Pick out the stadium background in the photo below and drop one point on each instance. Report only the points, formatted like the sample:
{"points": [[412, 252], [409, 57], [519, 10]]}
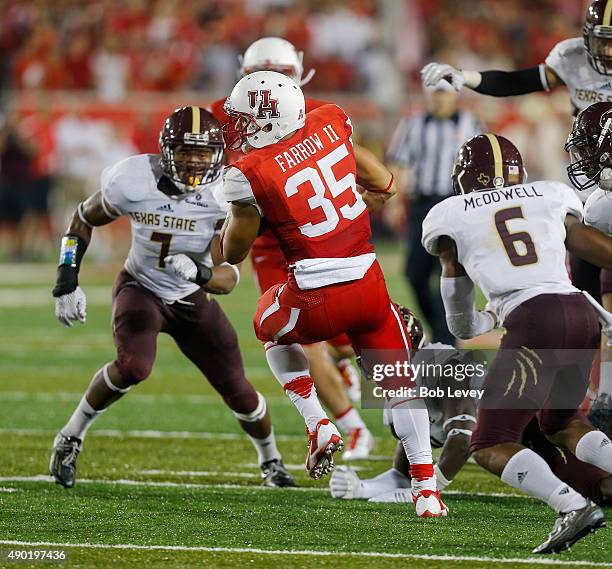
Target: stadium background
{"points": [[86, 83]]}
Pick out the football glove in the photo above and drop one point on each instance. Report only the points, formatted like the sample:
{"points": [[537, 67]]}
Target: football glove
{"points": [[187, 269], [433, 73], [71, 307]]}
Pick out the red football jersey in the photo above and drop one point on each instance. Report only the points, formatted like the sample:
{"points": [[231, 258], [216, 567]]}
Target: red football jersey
{"points": [[266, 241], [306, 189]]}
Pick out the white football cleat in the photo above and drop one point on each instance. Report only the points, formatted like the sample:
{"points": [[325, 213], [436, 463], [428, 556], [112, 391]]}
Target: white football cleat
{"points": [[360, 445], [344, 483], [429, 504], [322, 444], [351, 379]]}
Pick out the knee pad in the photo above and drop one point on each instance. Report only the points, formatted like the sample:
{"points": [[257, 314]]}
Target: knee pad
{"points": [[456, 432], [257, 414], [463, 418]]}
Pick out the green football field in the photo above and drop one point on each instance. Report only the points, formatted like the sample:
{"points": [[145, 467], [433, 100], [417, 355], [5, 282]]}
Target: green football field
{"points": [[167, 479]]}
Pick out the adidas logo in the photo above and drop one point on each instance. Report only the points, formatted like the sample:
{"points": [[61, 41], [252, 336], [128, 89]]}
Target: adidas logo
{"points": [[607, 86], [564, 491], [521, 476], [165, 207], [605, 442]]}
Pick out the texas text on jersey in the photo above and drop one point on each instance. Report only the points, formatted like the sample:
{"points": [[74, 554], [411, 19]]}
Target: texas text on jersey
{"points": [[161, 225]]}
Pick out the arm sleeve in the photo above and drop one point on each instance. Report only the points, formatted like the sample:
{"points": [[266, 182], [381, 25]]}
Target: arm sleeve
{"points": [[511, 83], [463, 320], [237, 188]]}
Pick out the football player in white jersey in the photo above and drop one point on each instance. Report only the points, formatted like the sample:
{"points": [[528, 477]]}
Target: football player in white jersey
{"points": [[590, 149], [584, 66], [173, 261], [510, 238]]}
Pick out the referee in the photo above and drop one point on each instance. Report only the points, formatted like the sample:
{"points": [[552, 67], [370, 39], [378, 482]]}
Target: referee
{"points": [[425, 146]]}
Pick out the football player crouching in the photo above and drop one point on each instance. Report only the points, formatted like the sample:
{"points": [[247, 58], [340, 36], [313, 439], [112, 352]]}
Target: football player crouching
{"points": [[173, 262]]}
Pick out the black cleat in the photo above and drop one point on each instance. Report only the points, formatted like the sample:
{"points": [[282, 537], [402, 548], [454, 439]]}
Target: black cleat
{"points": [[601, 413], [571, 527], [275, 475], [62, 465]]}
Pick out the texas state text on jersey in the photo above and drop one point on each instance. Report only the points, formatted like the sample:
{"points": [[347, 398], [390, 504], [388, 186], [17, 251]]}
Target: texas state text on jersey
{"points": [[161, 225]]}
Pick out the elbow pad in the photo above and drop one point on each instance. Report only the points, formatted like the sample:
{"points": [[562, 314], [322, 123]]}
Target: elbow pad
{"points": [[511, 83], [463, 320]]}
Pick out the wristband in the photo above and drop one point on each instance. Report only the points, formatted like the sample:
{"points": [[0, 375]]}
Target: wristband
{"points": [[204, 274], [386, 190], [71, 253]]}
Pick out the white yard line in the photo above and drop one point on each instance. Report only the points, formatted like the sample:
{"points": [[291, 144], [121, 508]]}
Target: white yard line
{"points": [[196, 473], [140, 397], [41, 296], [169, 484], [308, 552], [150, 434]]}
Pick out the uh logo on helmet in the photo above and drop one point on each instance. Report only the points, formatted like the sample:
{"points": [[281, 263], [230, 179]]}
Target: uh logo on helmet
{"points": [[263, 108]]}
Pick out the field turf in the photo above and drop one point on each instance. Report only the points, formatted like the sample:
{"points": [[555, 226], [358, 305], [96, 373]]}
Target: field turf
{"points": [[167, 479]]}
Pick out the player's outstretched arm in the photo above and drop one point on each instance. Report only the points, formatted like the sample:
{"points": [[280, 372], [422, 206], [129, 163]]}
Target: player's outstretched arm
{"points": [[221, 278], [458, 296], [374, 177], [70, 300], [239, 231], [588, 243], [495, 83]]}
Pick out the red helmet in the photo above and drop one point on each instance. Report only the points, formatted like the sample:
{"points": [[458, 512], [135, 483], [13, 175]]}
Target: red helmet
{"points": [[590, 145], [597, 35], [191, 145], [486, 162]]}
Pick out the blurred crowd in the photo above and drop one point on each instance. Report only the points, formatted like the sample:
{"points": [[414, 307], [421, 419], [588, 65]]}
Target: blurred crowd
{"points": [[84, 83]]}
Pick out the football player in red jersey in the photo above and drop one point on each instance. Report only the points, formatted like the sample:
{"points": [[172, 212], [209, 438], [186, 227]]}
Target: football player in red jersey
{"points": [[270, 266], [299, 175]]}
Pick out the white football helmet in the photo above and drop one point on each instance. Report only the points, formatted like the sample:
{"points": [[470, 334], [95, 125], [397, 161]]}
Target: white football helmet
{"points": [[274, 54], [263, 107]]}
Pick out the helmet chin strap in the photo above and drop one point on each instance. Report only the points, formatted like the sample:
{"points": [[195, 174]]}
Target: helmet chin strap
{"points": [[308, 77]]}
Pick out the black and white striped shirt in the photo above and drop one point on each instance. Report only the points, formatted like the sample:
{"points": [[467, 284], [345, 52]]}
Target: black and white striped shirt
{"points": [[429, 146]]}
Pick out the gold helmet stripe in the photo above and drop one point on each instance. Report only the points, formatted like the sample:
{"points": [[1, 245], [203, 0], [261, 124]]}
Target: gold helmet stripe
{"points": [[497, 154], [607, 14], [195, 120]]}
